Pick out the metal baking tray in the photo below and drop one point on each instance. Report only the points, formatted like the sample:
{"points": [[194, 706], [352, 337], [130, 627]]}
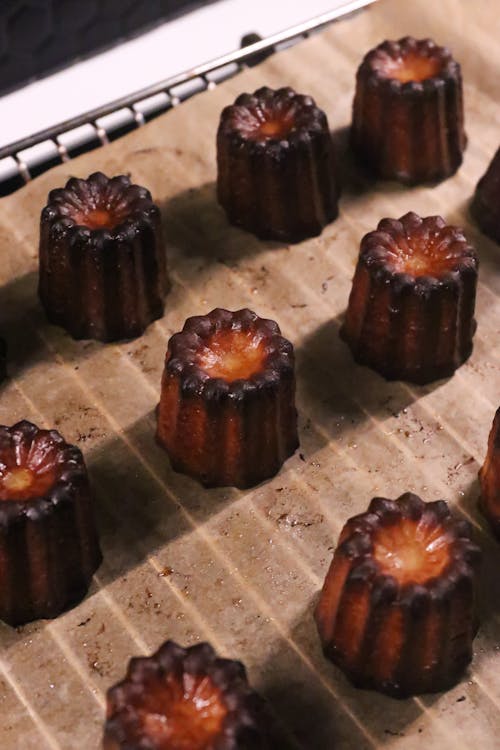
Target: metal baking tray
{"points": [[22, 160], [243, 569]]}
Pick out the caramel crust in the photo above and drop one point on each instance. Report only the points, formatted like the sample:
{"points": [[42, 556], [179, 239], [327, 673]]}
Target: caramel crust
{"points": [[276, 170], [411, 309], [409, 129], [228, 432], [489, 477], [182, 358], [103, 270], [392, 634], [485, 207], [412, 248], [243, 725], [282, 119], [381, 64], [48, 539]]}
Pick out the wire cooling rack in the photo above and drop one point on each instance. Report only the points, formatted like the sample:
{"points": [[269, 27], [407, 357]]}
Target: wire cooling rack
{"points": [[25, 159]]}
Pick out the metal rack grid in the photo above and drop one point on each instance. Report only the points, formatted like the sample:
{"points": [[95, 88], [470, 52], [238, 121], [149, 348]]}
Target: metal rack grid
{"points": [[25, 159]]}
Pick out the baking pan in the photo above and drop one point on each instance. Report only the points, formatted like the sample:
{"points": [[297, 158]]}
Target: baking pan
{"points": [[243, 569]]}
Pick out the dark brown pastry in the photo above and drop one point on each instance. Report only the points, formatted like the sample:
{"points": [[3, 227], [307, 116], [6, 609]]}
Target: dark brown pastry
{"points": [[408, 121], [397, 611], [184, 699], [227, 409], [49, 548], [485, 207], [489, 477], [411, 309], [276, 172], [102, 261]]}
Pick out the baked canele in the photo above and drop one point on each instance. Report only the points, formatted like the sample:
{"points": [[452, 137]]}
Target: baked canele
{"points": [[397, 611], [227, 408], [411, 310], [489, 478], [49, 548], [408, 121], [276, 171], [103, 269], [485, 207], [184, 699]]}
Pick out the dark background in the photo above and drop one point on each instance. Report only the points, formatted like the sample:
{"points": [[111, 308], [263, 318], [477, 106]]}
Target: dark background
{"points": [[39, 36]]}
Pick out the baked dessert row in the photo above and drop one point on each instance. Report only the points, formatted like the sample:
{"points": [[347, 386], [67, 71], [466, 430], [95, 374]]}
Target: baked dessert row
{"points": [[230, 375], [397, 613], [227, 413], [103, 271], [217, 430], [410, 314], [227, 410], [276, 167]]}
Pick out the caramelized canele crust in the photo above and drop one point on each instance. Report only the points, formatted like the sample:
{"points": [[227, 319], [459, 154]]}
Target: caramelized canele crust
{"points": [[397, 612], [276, 172], [489, 477], [102, 262], [184, 699], [408, 111], [485, 206], [227, 407], [411, 310], [48, 541]]}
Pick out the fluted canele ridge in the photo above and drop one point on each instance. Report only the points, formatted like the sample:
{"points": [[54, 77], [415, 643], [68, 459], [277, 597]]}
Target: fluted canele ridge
{"points": [[411, 309], [49, 548], [276, 170], [227, 408], [103, 268], [185, 699], [408, 120], [485, 207], [489, 477], [397, 612]]}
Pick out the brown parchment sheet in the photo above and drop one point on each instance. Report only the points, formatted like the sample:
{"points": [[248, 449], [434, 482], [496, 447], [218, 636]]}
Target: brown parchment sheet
{"points": [[243, 569]]}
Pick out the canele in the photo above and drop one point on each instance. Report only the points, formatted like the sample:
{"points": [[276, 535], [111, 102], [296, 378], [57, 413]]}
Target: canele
{"points": [[49, 547], [489, 478], [408, 119], [485, 207], [276, 167], [397, 612], [411, 309], [185, 699], [102, 261], [227, 407]]}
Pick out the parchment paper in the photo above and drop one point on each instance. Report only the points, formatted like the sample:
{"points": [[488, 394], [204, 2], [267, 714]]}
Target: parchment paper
{"points": [[243, 569]]}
